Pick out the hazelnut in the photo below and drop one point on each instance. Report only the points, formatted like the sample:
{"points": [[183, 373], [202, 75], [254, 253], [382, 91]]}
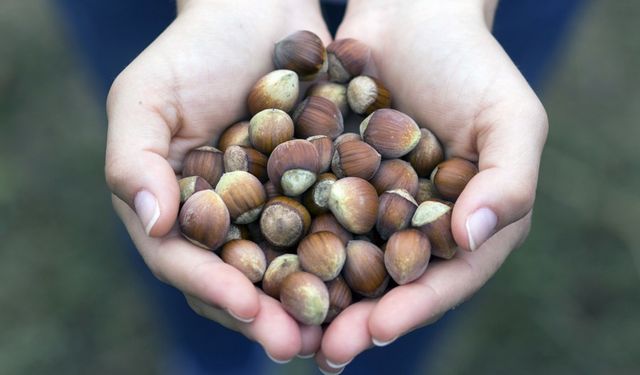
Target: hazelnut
{"points": [[277, 89], [316, 199], [354, 202], [426, 190], [284, 222], [395, 174], [339, 297], [427, 153], [396, 208], [271, 190], [325, 149], [235, 135], [246, 257], [347, 58], [451, 176], [279, 268], [204, 219], [206, 162], [392, 133], [293, 166], [243, 194], [367, 94], [303, 52], [317, 116], [322, 254], [190, 185], [335, 92], [237, 232], [433, 218], [328, 222], [305, 297], [268, 128], [344, 137], [247, 159], [406, 255], [364, 269], [355, 159]]}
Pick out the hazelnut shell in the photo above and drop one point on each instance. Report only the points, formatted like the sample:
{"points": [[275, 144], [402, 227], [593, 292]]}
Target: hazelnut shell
{"points": [[395, 174], [322, 254], [305, 297], [451, 176], [433, 218], [364, 270], [355, 159], [204, 161], [303, 52], [354, 202], [247, 257], [204, 219], [406, 255], [277, 89], [317, 116]]}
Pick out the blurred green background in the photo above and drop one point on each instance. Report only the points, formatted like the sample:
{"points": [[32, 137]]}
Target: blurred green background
{"points": [[567, 302]]}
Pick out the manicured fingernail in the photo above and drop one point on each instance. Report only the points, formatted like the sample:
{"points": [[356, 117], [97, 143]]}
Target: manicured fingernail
{"points": [[278, 361], [240, 319], [147, 208], [382, 343], [337, 365], [325, 372], [306, 356], [480, 226]]}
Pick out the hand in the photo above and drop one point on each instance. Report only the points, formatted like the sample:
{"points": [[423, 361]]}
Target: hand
{"points": [[446, 70], [180, 93]]}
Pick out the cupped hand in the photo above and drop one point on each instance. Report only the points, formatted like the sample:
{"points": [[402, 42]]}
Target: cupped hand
{"points": [[180, 93], [445, 69]]}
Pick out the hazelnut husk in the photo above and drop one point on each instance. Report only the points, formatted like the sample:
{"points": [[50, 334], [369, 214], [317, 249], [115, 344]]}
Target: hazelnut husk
{"points": [[451, 176], [317, 116], [269, 128], [339, 297], [279, 268], [395, 174], [426, 155], [190, 185], [355, 159], [367, 94], [316, 199], [305, 297], [235, 135], [322, 254], [335, 92], [247, 257], [364, 269], [244, 158], [433, 218], [293, 166], [303, 52], [204, 219], [243, 194], [395, 210], [354, 202], [277, 89], [284, 222], [406, 255], [325, 149], [426, 190], [204, 161], [328, 222], [392, 133], [347, 58]]}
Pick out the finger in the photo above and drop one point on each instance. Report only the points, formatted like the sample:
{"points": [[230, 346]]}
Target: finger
{"points": [[192, 270], [272, 328], [311, 337], [510, 141], [444, 285]]}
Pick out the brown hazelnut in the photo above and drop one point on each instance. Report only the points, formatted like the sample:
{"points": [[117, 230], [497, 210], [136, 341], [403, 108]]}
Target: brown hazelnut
{"points": [[328, 222], [406, 255], [433, 218], [364, 269], [339, 297], [335, 92], [317, 116], [395, 174], [190, 185], [426, 190], [204, 219], [305, 297], [235, 135], [268, 128], [206, 162], [243, 158], [303, 52], [243, 194], [284, 222], [277, 89], [344, 137], [237, 232], [355, 159], [293, 166], [427, 153], [354, 202], [392, 133], [347, 58], [396, 208], [279, 268], [325, 149], [451, 176], [246, 257], [322, 254], [367, 94], [316, 199]]}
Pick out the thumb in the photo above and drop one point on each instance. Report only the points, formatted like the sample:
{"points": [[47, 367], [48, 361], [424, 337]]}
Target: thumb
{"points": [[136, 165], [509, 146]]}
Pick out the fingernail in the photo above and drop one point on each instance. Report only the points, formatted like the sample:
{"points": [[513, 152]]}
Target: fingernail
{"points": [[306, 356], [240, 319], [278, 361], [325, 372], [480, 225], [337, 365], [382, 343], [147, 208]]}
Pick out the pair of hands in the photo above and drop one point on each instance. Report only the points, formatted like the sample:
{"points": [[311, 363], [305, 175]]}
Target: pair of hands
{"points": [[444, 69]]}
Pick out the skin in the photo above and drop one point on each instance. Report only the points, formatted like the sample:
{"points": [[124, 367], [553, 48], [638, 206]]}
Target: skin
{"points": [[447, 72]]}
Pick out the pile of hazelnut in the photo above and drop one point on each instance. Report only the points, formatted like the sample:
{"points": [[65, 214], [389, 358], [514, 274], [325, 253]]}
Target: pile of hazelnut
{"points": [[319, 217]]}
